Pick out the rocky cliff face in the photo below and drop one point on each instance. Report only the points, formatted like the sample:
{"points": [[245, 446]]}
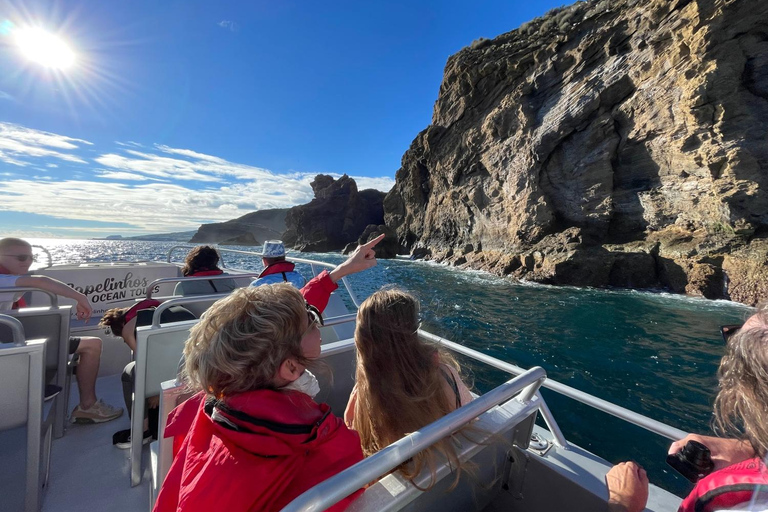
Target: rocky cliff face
{"points": [[250, 229], [337, 215], [617, 142]]}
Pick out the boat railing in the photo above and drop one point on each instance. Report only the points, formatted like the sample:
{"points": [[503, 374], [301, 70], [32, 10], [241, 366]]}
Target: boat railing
{"points": [[314, 265], [47, 254], [16, 289], [17, 330], [163, 280], [524, 388], [622, 413]]}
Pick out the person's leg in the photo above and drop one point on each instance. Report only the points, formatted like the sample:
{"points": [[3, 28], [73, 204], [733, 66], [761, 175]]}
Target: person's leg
{"points": [[89, 351], [89, 410], [127, 380]]}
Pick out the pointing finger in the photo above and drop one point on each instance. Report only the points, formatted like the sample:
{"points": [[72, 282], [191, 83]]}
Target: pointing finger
{"points": [[375, 241]]}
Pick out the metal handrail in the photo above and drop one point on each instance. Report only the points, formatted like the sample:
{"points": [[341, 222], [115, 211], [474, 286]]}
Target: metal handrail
{"points": [[17, 330], [645, 422], [338, 487], [311, 264], [162, 280], [15, 289]]}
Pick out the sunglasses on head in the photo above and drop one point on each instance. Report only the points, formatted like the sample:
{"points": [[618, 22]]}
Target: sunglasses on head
{"points": [[729, 330], [314, 315], [22, 257]]}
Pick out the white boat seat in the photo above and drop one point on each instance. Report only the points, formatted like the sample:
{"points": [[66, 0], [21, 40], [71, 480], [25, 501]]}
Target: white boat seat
{"points": [[52, 324], [21, 370]]}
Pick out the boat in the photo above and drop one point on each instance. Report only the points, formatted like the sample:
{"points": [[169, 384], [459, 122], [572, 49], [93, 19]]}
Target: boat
{"points": [[522, 458]]}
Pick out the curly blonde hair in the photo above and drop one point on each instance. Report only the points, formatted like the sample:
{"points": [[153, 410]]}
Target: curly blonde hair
{"points": [[399, 380], [242, 339], [741, 405]]}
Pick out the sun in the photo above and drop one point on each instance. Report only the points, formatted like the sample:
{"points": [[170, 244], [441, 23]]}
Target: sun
{"points": [[44, 48]]}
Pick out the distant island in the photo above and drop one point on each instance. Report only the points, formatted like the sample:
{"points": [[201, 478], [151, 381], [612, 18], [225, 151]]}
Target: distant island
{"points": [[180, 236]]}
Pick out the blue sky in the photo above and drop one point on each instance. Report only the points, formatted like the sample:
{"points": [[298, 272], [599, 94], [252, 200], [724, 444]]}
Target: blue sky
{"points": [[177, 113]]}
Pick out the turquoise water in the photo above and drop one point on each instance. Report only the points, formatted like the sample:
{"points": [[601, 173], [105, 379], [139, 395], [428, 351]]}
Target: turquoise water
{"points": [[653, 353]]}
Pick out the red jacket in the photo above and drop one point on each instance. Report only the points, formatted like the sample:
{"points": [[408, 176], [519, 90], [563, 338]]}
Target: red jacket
{"points": [[285, 445], [318, 290], [727, 487]]}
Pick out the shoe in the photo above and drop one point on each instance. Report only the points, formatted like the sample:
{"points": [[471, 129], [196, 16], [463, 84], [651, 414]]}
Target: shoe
{"points": [[122, 438], [97, 413]]}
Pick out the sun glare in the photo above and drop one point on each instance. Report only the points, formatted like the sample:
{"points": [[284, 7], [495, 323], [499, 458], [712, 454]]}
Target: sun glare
{"points": [[44, 48]]}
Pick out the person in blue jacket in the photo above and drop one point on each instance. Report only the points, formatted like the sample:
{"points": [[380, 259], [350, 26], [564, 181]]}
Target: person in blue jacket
{"points": [[276, 268]]}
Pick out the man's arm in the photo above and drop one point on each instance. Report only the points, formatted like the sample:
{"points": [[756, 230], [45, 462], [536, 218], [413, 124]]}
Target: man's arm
{"points": [[48, 284]]}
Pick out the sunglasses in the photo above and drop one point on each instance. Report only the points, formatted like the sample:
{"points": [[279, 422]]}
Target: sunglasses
{"points": [[729, 330], [22, 257], [314, 316]]}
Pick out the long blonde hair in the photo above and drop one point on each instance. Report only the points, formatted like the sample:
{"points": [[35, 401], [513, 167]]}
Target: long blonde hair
{"points": [[741, 405], [399, 380]]}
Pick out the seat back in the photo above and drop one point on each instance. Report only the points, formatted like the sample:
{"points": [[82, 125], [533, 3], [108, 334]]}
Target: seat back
{"points": [[173, 394], [21, 374], [158, 351], [52, 324]]}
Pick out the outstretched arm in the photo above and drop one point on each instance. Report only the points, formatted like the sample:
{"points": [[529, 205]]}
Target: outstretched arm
{"points": [[724, 451], [363, 258], [48, 284]]}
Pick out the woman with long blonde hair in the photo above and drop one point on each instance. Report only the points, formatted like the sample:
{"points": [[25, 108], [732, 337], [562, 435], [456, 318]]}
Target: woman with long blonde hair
{"points": [[402, 382]]}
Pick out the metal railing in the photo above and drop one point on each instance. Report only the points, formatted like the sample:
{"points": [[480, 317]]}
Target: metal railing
{"points": [[163, 280], [23, 289], [17, 330], [312, 263], [645, 422], [523, 388]]}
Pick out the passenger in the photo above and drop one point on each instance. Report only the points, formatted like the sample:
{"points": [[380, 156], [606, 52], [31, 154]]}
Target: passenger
{"points": [[741, 408], [203, 260], [255, 416], [276, 268], [15, 259], [402, 382], [123, 323]]}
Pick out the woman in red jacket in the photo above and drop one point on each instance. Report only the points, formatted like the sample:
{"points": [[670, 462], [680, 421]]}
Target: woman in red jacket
{"points": [[255, 439]]}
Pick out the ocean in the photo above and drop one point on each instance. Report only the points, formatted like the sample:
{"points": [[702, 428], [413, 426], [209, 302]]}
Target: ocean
{"points": [[653, 353]]}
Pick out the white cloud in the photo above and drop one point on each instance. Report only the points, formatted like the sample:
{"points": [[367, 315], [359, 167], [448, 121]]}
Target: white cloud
{"points": [[229, 25], [5, 96], [151, 189], [18, 143]]}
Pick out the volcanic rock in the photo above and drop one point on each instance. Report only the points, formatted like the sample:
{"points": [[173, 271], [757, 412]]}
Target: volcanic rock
{"points": [[608, 143], [250, 229], [335, 217]]}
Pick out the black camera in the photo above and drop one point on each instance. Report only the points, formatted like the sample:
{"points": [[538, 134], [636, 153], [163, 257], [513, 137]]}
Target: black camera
{"points": [[693, 462]]}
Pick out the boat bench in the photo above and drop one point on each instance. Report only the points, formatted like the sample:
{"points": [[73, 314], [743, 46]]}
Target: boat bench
{"points": [[26, 422], [52, 324]]}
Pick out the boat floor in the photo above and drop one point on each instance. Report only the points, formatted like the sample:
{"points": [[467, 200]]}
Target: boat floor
{"points": [[87, 471]]}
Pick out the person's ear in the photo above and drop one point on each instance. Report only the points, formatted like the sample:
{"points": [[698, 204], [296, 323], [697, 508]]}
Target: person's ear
{"points": [[289, 370]]}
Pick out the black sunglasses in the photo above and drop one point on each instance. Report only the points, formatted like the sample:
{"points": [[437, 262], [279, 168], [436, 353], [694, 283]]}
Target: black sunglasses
{"points": [[23, 257], [729, 330], [314, 315]]}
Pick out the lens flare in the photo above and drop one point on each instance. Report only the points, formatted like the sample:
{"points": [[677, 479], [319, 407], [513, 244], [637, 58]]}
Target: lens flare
{"points": [[44, 48]]}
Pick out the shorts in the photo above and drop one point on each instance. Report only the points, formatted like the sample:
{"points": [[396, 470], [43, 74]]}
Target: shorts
{"points": [[74, 342]]}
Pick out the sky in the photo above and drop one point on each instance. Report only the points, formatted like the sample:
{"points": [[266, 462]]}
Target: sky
{"points": [[177, 113]]}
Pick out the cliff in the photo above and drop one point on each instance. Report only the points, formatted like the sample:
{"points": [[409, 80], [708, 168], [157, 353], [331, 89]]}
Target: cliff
{"points": [[609, 143], [250, 229], [337, 215]]}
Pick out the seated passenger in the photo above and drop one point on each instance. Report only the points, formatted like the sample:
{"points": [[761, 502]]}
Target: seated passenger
{"points": [[15, 259], [402, 382], [276, 268], [740, 476], [203, 260], [123, 323], [254, 439]]}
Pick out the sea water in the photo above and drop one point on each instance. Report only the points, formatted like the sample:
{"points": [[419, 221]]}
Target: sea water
{"points": [[653, 353]]}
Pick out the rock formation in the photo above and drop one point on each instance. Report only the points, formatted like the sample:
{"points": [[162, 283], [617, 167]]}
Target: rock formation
{"points": [[609, 143], [250, 229], [335, 217]]}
